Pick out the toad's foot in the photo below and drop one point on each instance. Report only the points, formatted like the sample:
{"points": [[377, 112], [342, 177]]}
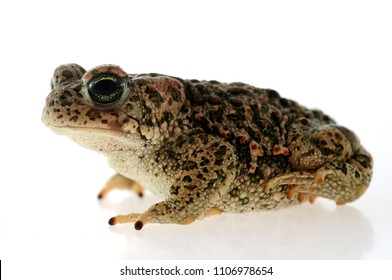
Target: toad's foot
{"points": [[120, 182], [149, 217], [208, 167], [340, 181]]}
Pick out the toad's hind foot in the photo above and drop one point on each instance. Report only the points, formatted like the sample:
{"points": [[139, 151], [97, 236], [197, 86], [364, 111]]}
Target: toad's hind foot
{"points": [[342, 182], [121, 183]]}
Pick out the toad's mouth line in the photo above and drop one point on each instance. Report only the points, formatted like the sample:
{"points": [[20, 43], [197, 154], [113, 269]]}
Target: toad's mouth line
{"points": [[69, 130], [103, 140]]}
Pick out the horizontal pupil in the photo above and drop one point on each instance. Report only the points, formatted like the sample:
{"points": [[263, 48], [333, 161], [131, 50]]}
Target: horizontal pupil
{"points": [[104, 87]]}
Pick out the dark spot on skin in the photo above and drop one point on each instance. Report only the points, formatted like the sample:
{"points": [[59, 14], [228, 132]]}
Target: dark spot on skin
{"points": [[211, 183], [174, 190], [357, 175], [234, 117], [285, 103], [327, 119], [189, 165], [204, 139], [272, 94], [237, 91], [221, 151], [149, 122], [232, 166], [189, 201], [187, 178], [167, 116], [194, 95], [190, 187], [236, 102], [304, 121], [216, 115], [154, 96], [320, 144], [256, 177], [338, 137], [234, 192], [276, 116], [204, 161], [129, 107], [65, 98], [199, 93], [92, 114], [74, 118], [203, 122], [175, 93], [365, 161], [214, 100], [218, 162], [67, 74], [104, 121], [308, 153], [338, 149], [185, 109], [148, 110], [245, 200], [342, 167]]}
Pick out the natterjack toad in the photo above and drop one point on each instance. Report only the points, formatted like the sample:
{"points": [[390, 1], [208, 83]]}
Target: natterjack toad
{"points": [[205, 147]]}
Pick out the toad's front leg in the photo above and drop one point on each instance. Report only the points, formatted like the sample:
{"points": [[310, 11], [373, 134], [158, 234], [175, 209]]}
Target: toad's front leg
{"points": [[206, 169], [119, 182]]}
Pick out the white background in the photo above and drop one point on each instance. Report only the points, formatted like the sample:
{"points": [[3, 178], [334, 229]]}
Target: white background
{"points": [[335, 56]]}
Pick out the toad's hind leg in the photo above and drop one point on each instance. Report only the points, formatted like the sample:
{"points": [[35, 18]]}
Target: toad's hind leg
{"points": [[207, 167], [340, 181], [345, 181], [120, 182]]}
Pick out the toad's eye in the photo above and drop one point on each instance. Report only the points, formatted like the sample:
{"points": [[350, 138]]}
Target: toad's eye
{"points": [[106, 88]]}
